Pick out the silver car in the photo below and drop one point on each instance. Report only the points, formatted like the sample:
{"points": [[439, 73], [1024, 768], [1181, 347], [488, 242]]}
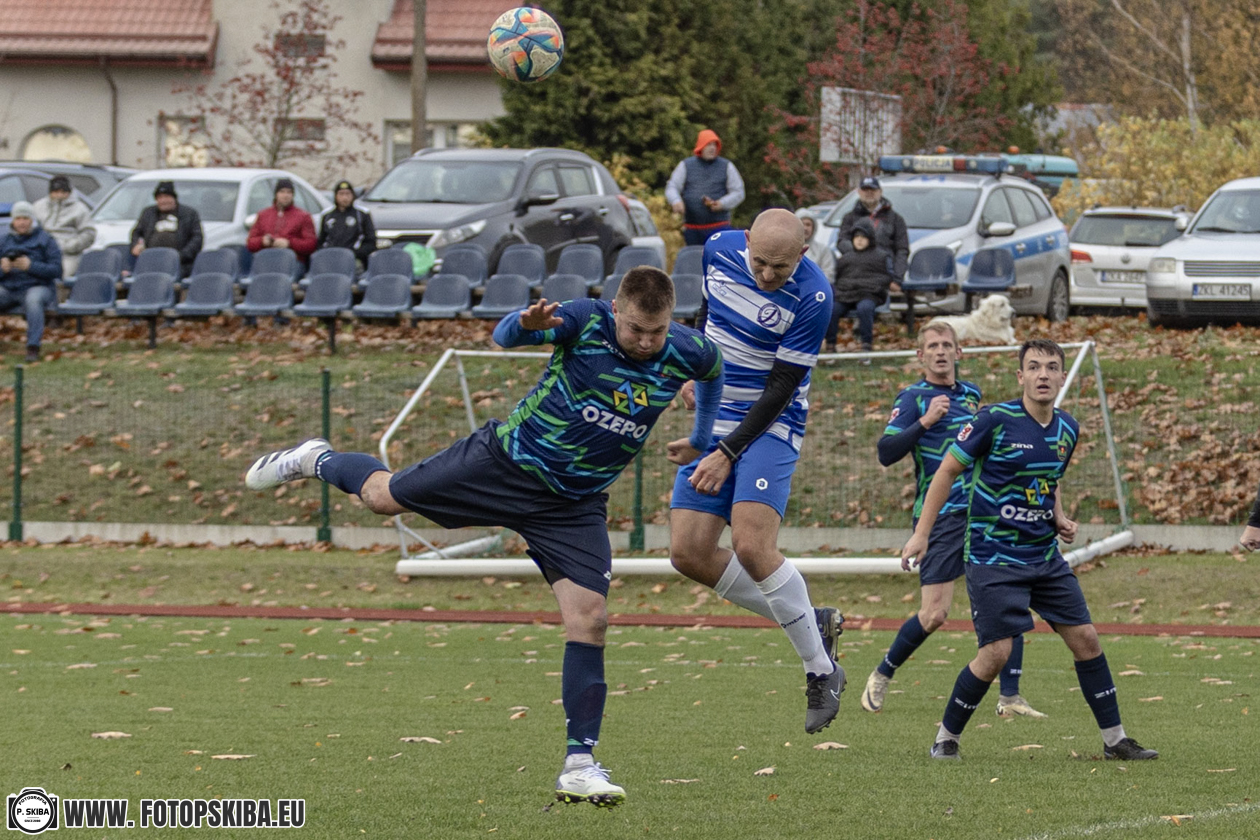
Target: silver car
{"points": [[1111, 247], [1213, 270]]}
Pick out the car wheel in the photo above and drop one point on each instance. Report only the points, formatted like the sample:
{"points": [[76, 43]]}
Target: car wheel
{"points": [[1058, 304]]}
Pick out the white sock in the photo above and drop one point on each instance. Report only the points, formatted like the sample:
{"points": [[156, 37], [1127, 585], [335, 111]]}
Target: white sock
{"points": [[944, 734], [576, 760], [1113, 735], [738, 587], [788, 596]]}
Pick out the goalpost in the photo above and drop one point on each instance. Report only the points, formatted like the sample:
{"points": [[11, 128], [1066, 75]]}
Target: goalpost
{"points": [[839, 448]]}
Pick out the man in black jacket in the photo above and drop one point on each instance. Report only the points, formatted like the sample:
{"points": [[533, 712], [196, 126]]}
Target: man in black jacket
{"points": [[346, 226], [168, 224]]}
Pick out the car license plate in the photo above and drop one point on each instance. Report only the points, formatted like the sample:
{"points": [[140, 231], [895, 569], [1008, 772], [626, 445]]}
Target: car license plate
{"points": [[1221, 291], [1122, 277]]}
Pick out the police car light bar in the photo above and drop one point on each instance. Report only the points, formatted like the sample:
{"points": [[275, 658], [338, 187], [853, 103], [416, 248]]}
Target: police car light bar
{"points": [[991, 165]]}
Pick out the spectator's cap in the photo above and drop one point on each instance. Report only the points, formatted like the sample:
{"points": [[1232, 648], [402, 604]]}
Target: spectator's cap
{"points": [[343, 185], [865, 227], [870, 182], [22, 210], [165, 188], [705, 138], [284, 184], [59, 183]]}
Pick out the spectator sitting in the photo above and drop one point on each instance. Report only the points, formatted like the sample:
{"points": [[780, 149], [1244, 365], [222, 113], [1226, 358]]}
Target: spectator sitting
{"points": [[283, 225], [168, 224], [65, 218], [30, 263], [347, 226], [819, 252], [863, 278]]}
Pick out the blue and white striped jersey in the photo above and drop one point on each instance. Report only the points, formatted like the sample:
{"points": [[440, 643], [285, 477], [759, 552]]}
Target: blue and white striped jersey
{"points": [[753, 328]]}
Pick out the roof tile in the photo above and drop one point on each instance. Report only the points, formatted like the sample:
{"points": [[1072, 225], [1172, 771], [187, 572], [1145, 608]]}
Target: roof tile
{"points": [[455, 30], [170, 30]]}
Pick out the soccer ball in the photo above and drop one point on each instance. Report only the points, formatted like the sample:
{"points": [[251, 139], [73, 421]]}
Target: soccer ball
{"points": [[525, 45]]}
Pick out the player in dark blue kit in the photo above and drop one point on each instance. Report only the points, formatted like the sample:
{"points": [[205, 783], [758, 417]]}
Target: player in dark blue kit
{"points": [[1018, 452], [543, 471], [925, 420]]}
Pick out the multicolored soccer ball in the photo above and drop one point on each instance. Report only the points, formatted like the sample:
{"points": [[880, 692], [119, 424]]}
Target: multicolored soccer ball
{"points": [[525, 45]]}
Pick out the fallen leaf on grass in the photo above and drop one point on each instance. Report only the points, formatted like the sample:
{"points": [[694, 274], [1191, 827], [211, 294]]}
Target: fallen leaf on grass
{"points": [[831, 745], [518, 716], [161, 709], [764, 771], [1176, 819], [421, 739], [678, 781], [109, 736], [193, 752], [80, 666], [1028, 747], [232, 757], [1132, 673], [1150, 699], [21, 652], [1226, 770]]}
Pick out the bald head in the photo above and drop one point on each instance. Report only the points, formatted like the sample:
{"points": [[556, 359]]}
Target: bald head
{"points": [[776, 243]]}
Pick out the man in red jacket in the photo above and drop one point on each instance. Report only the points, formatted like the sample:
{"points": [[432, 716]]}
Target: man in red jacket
{"points": [[283, 225]]}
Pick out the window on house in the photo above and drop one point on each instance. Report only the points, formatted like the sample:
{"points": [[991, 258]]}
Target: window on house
{"points": [[440, 135], [300, 45], [303, 129], [181, 141], [56, 142]]}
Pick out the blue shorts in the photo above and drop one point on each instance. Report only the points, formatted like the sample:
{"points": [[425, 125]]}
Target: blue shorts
{"points": [[1001, 597], [475, 483], [943, 560], [762, 474]]}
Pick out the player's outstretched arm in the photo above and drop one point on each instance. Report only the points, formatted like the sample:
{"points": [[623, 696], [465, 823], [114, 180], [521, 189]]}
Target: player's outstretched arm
{"points": [[937, 495], [528, 326], [706, 401], [1065, 526]]}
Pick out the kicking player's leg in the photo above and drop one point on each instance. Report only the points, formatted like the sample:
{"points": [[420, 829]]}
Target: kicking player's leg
{"points": [[356, 473], [940, 566], [969, 689], [1010, 701]]}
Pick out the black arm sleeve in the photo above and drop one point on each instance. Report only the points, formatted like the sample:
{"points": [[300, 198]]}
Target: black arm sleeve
{"points": [[1254, 521], [781, 386], [702, 316], [892, 448]]}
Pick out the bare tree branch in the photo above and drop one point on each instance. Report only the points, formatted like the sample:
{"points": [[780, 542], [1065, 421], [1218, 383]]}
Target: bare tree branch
{"points": [[1160, 45], [1133, 68]]}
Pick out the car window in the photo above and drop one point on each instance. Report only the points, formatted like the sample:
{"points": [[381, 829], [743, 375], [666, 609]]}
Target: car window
{"points": [[1040, 206], [996, 210], [1022, 207], [927, 208], [261, 195], [308, 202], [447, 182], [642, 219], [84, 183], [1231, 211], [214, 201], [577, 180], [11, 190], [1121, 230], [543, 182]]}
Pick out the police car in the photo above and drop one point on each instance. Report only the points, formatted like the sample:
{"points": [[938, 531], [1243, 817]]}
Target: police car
{"points": [[1213, 270], [970, 203]]}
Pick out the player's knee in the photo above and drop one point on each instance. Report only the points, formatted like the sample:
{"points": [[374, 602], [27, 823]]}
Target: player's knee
{"points": [[932, 619], [376, 496]]}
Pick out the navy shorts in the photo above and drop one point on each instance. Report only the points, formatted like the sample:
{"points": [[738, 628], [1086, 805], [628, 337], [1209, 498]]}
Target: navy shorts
{"points": [[474, 483], [762, 474], [1001, 597], [947, 545]]}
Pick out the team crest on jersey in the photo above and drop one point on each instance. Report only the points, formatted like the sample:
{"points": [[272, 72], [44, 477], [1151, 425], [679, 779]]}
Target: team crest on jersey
{"points": [[972, 404], [896, 412], [769, 315], [964, 433], [630, 398], [1061, 449]]}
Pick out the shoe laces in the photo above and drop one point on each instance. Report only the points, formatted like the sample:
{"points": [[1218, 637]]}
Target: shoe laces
{"points": [[595, 770], [814, 688]]}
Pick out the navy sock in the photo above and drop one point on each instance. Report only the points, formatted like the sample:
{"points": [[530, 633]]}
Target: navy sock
{"points": [[583, 690], [1100, 690], [909, 637], [1013, 669], [969, 690], [347, 471]]}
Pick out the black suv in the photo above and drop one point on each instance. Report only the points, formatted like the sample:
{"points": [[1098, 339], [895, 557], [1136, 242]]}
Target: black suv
{"points": [[498, 197]]}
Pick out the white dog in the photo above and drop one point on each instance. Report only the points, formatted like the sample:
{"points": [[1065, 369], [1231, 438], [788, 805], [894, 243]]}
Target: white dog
{"points": [[989, 323]]}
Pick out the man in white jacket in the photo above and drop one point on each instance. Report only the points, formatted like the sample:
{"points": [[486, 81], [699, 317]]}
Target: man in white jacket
{"points": [[64, 216]]}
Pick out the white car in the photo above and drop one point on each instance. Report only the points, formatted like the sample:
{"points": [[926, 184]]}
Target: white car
{"points": [[227, 199], [1111, 247], [1212, 272]]}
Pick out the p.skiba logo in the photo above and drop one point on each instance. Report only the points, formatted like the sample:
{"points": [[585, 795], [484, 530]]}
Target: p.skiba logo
{"points": [[33, 811], [630, 398]]}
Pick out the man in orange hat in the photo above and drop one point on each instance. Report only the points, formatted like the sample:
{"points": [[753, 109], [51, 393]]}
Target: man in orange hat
{"points": [[696, 181]]}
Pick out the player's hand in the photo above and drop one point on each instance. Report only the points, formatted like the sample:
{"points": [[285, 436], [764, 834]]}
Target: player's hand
{"points": [[1250, 538], [711, 473], [541, 316], [678, 207], [681, 452], [1066, 528], [913, 552], [688, 394], [937, 408]]}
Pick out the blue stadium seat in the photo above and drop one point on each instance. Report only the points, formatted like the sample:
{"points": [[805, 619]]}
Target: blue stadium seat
{"points": [[274, 261], [337, 262], [208, 294], [688, 296], [930, 270], [218, 261], [609, 292], [92, 294], [584, 259], [564, 287], [268, 294], [992, 270], [385, 296], [634, 255], [156, 261], [527, 260], [151, 292], [244, 258], [504, 293], [445, 296], [391, 261], [689, 260], [468, 261], [123, 250], [106, 261], [327, 297]]}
